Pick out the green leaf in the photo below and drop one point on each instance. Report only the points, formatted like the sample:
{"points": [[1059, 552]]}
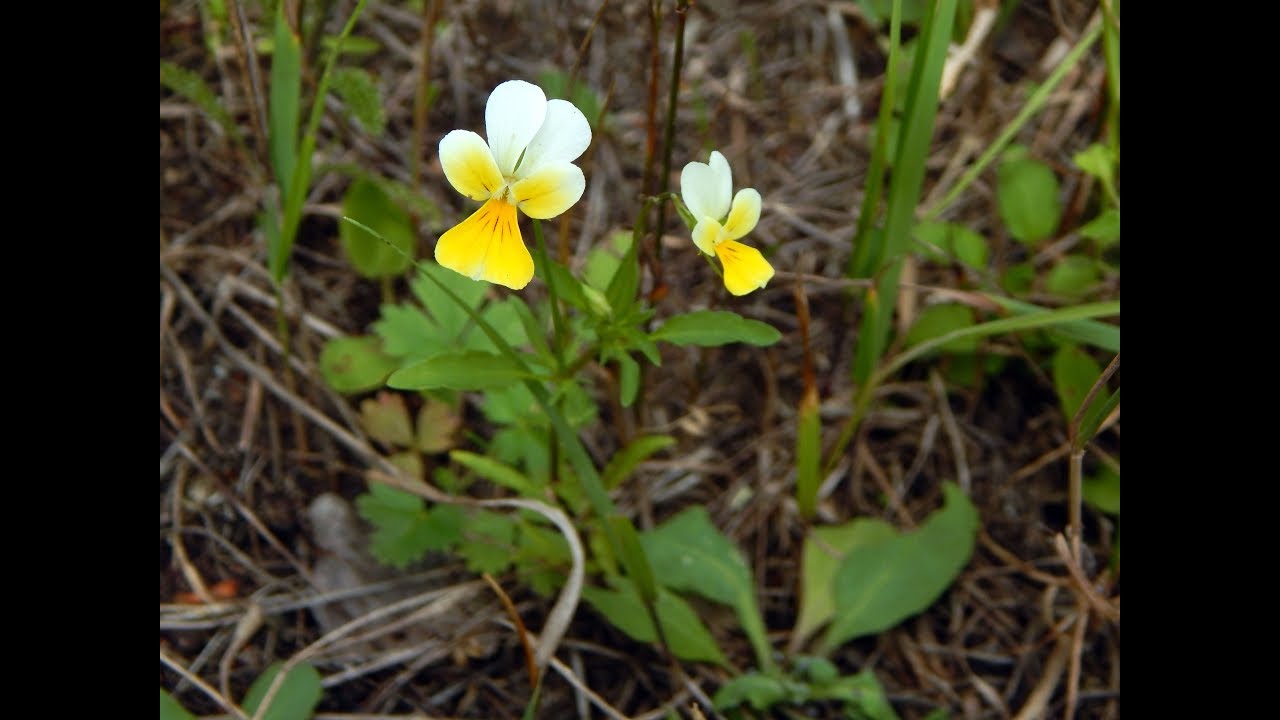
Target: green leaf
{"points": [[1073, 277], [942, 241], [1103, 490], [881, 584], [1074, 373], [689, 637], [1027, 194], [451, 318], [759, 691], [1018, 278], [824, 549], [624, 462], [192, 87], [688, 553], [404, 530], [863, 693], [407, 333], [633, 557], [297, 697], [628, 379], [1105, 228], [360, 93], [437, 423], [938, 320], [496, 472], [373, 257], [286, 94], [1087, 332], [568, 287], [170, 709], [386, 419], [488, 542], [1095, 160], [1098, 412], [467, 370], [603, 259], [710, 328], [621, 292], [355, 364], [542, 557]]}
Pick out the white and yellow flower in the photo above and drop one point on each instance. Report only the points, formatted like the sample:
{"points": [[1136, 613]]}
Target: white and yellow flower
{"points": [[706, 189], [527, 164]]}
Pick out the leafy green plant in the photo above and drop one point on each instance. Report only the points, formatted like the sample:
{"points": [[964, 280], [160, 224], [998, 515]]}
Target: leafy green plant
{"points": [[291, 696]]}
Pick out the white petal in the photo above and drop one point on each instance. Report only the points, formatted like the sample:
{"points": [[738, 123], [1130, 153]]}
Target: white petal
{"points": [[511, 118], [744, 215], [564, 135], [468, 165], [723, 179], [698, 189], [705, 235]]}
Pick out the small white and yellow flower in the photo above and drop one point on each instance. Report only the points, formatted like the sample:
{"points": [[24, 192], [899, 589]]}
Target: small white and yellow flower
{"points": [[527, 164], [706, 189]]}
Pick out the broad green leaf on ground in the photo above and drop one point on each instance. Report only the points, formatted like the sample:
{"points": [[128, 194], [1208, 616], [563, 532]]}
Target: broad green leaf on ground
{"points": [[170, 709], [488, 542], [1072, 277], [823, 550], [1018, 278], [688, 553], [881, 584], [467, 370], [296, 699], [1102, 490], [372, 256], [403, 528], [1074, 373], [386, 419], [624, 462], [360, 94], [355, 364], [1027, 195], [1105, 228], [862, 693], [938, 320], [709, 328], [688, 636]]}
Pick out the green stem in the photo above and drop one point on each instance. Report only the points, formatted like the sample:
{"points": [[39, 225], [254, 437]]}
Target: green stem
{"points": [[673, 95], [557, 319]]}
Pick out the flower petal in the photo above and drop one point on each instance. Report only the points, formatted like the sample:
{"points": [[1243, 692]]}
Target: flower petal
{"points": [[488, 246], [744, 215], [511, 118], [705, 235], [745, 269], [700, 190], [549, 191], [468, 164], [564, 135], [723, 180]]}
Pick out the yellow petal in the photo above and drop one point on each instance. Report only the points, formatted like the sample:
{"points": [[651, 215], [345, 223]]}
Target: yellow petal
{"points": [[705, 235], [550, 190], [745, 269], [468, 165], [488, 246], [744, 215]]}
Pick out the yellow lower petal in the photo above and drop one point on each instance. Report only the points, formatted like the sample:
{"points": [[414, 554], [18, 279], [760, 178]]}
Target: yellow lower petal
{"points": [[745, 269], [488, 246]]}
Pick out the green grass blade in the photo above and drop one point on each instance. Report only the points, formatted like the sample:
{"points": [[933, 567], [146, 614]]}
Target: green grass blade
{"points": [[286, 98], [867, 246], [914, 141], [1086, 332]]}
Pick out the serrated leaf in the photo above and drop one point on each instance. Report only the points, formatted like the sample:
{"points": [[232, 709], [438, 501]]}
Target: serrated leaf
{"points": [[404, 530], [881, 584], [387, 419], [824, 549], [503, 318], [689, 638], [688, 553], [1027, 195], [408, 461], [1102, 490], [296, 699], [466, 370], [437, 424], [192, 87], [709, 328], [1074, 373], [1073, 277], [373, 257], [355, 364], [451, 318], [1105, 228], [938, 320], [361, 95], [496, 472], [170, 709], [624, 462], [407, 333], [488, 542]]}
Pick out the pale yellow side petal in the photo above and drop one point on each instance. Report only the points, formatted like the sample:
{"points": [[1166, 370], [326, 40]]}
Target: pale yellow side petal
{"points": [[550, 191], [511, 118], [705, 235], [468, 165], [488, 246], [744, 215], [745, 269]]}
